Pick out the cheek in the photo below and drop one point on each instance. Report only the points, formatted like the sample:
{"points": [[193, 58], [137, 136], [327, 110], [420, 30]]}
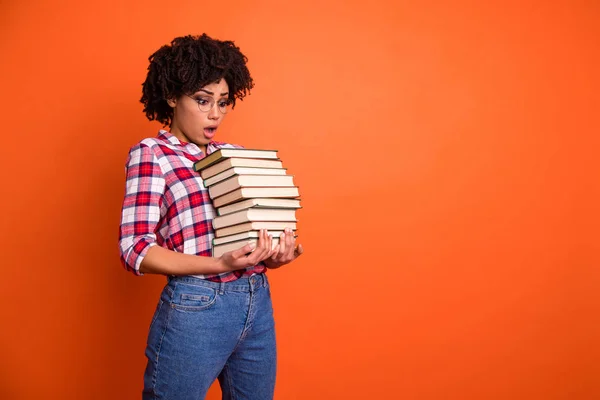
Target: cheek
{"points": [[189, 118]]}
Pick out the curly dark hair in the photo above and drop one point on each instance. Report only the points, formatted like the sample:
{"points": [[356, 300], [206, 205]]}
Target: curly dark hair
{"points": [[188, 64]]}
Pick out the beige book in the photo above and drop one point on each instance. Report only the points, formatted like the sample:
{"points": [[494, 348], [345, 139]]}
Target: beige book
{"points": [[238, 162], [255, 192], [225, 152], [242, 236], [255, 226], [242, 171], [238, 181], [259, 203], [254, 214], [219, 250]]}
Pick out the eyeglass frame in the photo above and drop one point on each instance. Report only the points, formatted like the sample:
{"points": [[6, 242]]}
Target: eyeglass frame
{"points": [[211, 100]]}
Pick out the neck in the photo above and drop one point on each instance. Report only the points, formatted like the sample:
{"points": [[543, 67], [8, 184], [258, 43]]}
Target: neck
{"points": [[178, 133]]}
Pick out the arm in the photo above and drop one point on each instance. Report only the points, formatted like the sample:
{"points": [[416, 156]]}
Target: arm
{"points": [[159, 260], [163, 261]]}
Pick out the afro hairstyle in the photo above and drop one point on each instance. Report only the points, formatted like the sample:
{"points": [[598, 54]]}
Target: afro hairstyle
{"points": [[188, 64]]}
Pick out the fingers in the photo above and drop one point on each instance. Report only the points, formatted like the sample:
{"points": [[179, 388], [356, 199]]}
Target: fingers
{"points": [[286, 251], [275, 253], [263, 248], [290, 241], [252, 258], [286, 246], [266, 246], [298, 251], [269, 245], [242, 251], [290, 244], [282, 244]]}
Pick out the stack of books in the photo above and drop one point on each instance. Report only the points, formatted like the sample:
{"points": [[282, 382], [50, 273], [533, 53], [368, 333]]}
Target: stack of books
{"points": [[251, 191]]}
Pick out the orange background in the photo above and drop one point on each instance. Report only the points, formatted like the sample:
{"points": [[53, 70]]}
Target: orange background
{"points": [[447, 158]]}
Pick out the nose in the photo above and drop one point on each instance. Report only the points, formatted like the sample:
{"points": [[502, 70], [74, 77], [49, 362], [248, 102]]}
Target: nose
{"points": [[214, 112]]}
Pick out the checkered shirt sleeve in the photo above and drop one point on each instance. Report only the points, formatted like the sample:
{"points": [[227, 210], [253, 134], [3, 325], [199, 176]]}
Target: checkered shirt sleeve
{"points": [[144, 189]]}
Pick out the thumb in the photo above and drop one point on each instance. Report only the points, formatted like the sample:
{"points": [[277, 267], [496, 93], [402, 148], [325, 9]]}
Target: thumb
{"points": [[299, 250], [242, 251]]}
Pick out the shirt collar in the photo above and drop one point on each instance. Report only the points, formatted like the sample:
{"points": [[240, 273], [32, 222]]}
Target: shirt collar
{"points": [[170, 138]]}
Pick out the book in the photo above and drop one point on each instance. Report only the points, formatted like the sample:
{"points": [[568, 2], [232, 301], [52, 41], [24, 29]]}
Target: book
{"points": [[259, 203], [239, 181], [254, 214], [238, 162], [255, 226], [222, 153], [221, 249], [255, 192], [242, 171], [244, 235]]}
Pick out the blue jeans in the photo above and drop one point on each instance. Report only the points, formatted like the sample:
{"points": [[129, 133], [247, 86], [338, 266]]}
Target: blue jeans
{"points": [[202, 331]]}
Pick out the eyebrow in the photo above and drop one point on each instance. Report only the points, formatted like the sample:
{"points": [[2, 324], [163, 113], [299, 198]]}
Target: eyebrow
{"points": [[212, 94]]}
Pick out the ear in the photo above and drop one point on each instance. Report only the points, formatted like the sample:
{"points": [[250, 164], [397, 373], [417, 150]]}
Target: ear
{"points": [[172, 102]]}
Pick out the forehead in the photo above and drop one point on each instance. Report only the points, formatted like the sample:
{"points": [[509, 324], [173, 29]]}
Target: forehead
{"points": [[218, 88]]}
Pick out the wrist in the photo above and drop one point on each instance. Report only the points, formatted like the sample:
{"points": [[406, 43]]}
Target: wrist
{"points": [[219, 265]]}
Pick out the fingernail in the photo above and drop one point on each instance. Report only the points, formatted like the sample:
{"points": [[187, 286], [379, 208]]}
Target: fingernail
{"points": [[252, 246]]}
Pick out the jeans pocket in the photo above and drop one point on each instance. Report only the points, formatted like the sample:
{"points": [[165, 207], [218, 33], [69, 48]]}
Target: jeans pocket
{"points": [[193, 298]]}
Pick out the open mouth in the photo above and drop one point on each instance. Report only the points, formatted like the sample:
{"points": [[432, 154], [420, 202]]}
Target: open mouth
{"points": [[210, 131]]}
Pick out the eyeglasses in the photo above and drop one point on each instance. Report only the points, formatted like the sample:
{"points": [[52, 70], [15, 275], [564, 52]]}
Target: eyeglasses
{"points": [[205, 104]]}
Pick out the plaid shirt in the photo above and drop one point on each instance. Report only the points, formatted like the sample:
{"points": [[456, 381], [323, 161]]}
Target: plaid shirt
{"points": [[166, 204]]}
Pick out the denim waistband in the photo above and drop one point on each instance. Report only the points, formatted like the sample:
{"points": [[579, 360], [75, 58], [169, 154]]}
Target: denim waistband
{"points": [[243, 284]]}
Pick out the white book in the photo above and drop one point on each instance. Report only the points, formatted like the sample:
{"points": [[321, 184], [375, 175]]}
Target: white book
{"points": [[242, 171], [227, 152], [255, 192], [219, 250], [238, 181], [238, 162], [259, 203], [255, 226], [242, 236], [254, 214]]}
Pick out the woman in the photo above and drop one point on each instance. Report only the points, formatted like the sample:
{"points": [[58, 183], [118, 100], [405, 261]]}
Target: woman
{"points": [[214, 318]]}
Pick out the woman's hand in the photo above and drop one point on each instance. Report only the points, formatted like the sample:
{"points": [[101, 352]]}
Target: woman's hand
{"points": [[285, 252], [238, 259]]}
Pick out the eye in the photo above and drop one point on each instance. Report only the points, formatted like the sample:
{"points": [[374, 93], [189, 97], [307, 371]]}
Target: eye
{"points": [[202, 101], [224, 103]]}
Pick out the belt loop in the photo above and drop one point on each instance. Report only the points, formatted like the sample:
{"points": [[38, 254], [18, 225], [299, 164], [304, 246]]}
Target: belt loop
{"points": [[221, 288], [264, 278]]}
